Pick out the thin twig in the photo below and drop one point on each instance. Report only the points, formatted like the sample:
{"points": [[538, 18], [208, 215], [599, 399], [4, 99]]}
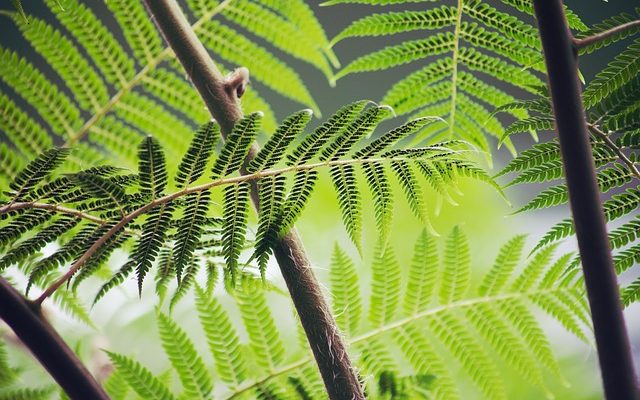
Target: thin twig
{"points": [[51, 207], [612, 340], [623, 157], [598, 37]]}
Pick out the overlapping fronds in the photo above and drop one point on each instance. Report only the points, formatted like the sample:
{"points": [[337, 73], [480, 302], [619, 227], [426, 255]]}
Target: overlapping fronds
{"points": [[477, 324], [611, 100], [465, 48], [95, 211], [108, 93]]}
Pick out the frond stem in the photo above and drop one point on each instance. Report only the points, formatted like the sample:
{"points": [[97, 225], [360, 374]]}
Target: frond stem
{"points": [[598, 37], [454, 65], [51, 207], [75, 267], [623, 157]]}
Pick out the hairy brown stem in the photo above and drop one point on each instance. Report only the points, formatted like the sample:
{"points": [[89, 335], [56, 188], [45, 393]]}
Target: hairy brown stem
{"points": [[598, 37], [612, 340], [340, 378], [26, 320]]}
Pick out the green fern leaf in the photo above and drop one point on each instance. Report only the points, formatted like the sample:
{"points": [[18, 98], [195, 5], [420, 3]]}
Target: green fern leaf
{"points": [[23, 223], [338, 122], [345, 288], [195, 159], [140, 379], [264, 339], [303, 184], [138, 29], [153, 234], [86, 85], [237, 145], [271, 196], [189, 230], [349, 199], [222, 338], [152, 168], [55, 107], [274, 149], [29, 247], [400, 54], [422, 275], [185, 360], [382, 197], [36, 171], [631, 293], [503, 267], [99, 42], [397, 22], [624, 68], [236, 205], [385, 286], [456, 273]]}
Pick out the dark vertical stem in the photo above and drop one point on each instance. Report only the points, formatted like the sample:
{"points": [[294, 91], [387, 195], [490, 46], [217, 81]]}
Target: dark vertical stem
{"points": [[614, 352], [340, 378], [47, 346]]}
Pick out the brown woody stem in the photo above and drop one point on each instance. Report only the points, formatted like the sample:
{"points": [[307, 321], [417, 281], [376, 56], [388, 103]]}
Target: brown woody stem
{"points": [[26, 320], [340, 378], [612, 340]]}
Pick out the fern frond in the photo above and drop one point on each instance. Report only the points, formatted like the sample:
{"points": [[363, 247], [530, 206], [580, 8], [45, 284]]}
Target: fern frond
{"points": [[397, 22], [312, 144], [347, 304], [86, 85], [222, 338], [264, 339], [189, 230], [423, 274], [36, 171], [236, 210], [185, 360], [139, 31], [385, 286], [624, 68], [197, 156], [505, 264], [274, 149], [400, 54], [271, 195], [277, 31], [152, 168], [236, 147], [154, 232], [102, 47], [349, 199], [631, 293], [140, 379], [235, 48], [55, 107], [456, 272]]}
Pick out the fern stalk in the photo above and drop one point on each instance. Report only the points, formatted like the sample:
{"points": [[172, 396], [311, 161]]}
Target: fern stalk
{"points": [[612, 340], [46, 345], [221, 98]]}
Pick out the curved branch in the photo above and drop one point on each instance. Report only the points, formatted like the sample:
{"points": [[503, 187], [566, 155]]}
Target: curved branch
{"points": [[598, 37], [51, 207], [47, 346]]}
